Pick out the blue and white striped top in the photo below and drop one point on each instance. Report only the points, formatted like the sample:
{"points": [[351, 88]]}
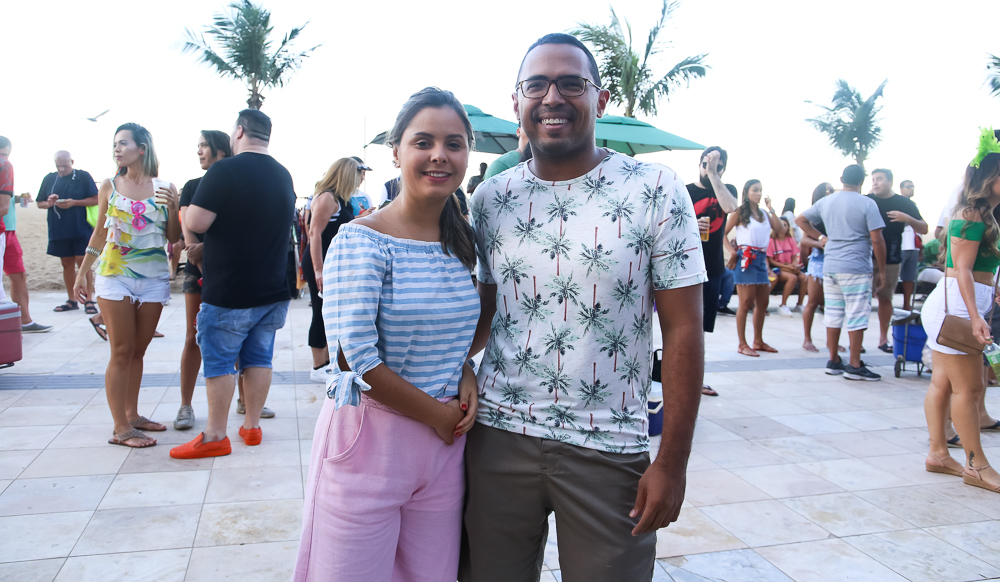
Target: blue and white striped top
{"points": [[399, 302]]}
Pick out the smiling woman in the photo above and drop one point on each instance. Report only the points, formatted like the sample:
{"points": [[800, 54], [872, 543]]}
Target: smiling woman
{"points": [[399, 302]]}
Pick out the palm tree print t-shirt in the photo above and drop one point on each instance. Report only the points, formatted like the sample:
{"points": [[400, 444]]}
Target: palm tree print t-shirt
{"points": [[576, 264]]}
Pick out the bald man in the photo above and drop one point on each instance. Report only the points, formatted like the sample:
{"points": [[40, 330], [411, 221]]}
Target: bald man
{"points": [[67, 193]]}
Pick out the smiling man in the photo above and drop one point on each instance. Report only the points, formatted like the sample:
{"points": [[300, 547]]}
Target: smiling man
{"points": [[574, 246]]}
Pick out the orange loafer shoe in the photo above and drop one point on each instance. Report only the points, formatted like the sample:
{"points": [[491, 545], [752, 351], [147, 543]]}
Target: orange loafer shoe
{"points": [[251, 436], [198, 449]]}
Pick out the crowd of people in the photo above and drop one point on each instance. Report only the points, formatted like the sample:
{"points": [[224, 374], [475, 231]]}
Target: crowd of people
{"points": [[423, 464]]}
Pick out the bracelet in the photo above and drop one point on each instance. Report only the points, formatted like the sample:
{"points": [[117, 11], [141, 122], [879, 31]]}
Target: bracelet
{"points": [[93, 251]]}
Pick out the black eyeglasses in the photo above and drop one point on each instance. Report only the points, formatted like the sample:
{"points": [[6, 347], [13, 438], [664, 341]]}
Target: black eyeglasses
{"points": [[718, 168], [567, 87]]}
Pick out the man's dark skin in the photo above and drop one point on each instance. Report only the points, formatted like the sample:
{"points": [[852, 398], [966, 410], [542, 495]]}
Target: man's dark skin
{"points": [[566, 151]]}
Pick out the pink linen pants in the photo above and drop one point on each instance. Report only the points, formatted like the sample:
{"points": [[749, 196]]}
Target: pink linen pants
{"points": [[383, 500]]}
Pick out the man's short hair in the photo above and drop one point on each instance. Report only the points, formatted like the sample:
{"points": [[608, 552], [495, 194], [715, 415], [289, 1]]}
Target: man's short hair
{"points": [[884, 172], [906, 184], [854, 175], [723, 156], [562, 38], [255, 124], [4, 142]]}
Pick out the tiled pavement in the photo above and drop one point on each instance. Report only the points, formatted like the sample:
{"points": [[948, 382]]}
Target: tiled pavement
{"points": [[794, 476]]}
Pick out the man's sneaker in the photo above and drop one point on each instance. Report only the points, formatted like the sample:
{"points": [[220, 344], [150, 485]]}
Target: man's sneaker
{"points": [[726, 311], [797, 309], [862, 373], [35, 327], [241, 408], [784, 311], [321, 375], [185, 418], [835, 368]]}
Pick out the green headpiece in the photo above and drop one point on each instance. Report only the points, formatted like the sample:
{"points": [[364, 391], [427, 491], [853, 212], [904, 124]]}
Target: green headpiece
{"points": [[988, 144]]}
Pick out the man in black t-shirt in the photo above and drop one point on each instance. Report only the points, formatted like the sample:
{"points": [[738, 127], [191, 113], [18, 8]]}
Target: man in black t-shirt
{"points": [[897, 212], [712, 200], [244, 206]]}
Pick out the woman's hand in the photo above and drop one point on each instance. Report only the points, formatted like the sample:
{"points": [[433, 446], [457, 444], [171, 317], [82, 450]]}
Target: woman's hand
{"points": [[319, 280], [168, 197], [767, 202], [80, 287], [981, 330], [468, 398], [731, 264], [451, 414]]}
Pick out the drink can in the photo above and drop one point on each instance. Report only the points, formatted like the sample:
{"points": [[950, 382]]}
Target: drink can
{"points": [[24, 202]]}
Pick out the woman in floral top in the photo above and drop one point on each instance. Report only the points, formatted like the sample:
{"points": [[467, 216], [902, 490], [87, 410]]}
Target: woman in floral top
{"points": [[138, 216]]}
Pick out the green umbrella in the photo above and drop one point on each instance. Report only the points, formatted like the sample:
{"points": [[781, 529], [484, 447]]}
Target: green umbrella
{"points": [[631, 136], [493, 135]]}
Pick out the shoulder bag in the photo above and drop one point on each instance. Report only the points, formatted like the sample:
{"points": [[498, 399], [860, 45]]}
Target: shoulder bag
{"points": [[956, 332]]}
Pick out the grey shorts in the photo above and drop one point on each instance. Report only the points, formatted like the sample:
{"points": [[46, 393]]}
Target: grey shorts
{"points": [[908, 267], [891, 279], [516, 481]]}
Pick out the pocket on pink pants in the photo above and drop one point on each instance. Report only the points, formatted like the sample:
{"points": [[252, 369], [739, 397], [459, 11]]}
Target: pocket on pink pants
{"points": [[344, 434]]}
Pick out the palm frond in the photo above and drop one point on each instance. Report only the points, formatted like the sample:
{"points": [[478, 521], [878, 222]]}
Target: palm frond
{"points": [[993, 75], [851, 124]]}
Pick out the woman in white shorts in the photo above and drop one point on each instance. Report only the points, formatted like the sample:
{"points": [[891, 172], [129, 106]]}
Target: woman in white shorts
{"points": [[138, 216], [972, 257]]}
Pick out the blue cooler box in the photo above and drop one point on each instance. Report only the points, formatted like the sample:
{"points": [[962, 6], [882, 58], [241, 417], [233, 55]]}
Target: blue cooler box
{"points": [[913, 336]]}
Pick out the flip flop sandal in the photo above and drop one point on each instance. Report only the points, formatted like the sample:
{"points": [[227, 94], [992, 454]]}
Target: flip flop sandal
{"points": [[122, 438], [99, 328], [157, 334], [90, 307], [955, 442], [143, 420], [993, 427], [707, 391], [753, 353], [68, 306]]}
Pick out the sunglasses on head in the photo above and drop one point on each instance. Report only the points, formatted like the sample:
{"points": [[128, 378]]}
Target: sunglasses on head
{"points": [[718, 168]]}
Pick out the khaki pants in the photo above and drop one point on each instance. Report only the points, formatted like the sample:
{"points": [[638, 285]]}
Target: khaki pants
{"points": [[516, 481], [891, 279]]}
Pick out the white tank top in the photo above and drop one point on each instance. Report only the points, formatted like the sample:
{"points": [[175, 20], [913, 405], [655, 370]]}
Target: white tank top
{"points": [[754, 234]]}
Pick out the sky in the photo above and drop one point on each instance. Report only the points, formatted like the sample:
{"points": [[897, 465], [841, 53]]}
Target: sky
{"points": [[66, 61]]}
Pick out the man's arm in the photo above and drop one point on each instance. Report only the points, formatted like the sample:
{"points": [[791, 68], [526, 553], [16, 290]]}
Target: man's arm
{"points": [[727, 200], [807, 227], [878, 247], [198, 219], [488, 308], [919, 226], [661, 489], [5, 202]]}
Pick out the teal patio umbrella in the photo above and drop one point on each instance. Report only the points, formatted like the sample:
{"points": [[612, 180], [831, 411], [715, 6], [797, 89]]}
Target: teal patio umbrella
{"points": [[631, 136], [493, 135]]}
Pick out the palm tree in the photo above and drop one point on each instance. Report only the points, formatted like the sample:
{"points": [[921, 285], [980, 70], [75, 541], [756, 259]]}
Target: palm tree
{"points": [[243, 35], [556, 247], [641, 242], [993, 75], [555, 380], [629, 75], [559, 342], [851, 123], [526, 229], [561, 415], [594, 316], [619, 211], [514, 394], [625, 292], [565, 291], [534, 306], [512, 270], [614, 342]]}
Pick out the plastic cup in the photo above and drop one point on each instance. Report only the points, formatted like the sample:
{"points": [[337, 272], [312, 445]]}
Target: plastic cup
{"points": [[992, 353], [704, 233]]}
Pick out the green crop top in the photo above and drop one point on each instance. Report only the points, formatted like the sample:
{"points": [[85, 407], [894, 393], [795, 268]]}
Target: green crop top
{"points": [[986, 261]]}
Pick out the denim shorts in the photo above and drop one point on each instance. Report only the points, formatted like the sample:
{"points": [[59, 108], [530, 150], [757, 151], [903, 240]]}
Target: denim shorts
{"points": [[238, 337], [815, 268], [144, 290], [755, 273]]}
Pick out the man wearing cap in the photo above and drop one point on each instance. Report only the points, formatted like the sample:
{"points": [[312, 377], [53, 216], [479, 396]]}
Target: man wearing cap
{"points": [[853, 230], [360, 201]]}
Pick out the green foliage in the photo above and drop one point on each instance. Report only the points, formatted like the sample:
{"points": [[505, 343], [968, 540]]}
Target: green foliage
{"points": [[993, 75], [242, 34], [851, 124], [629, 76]]}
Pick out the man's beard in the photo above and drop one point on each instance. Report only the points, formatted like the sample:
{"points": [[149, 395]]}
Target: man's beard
{"points": [[705, 182]]}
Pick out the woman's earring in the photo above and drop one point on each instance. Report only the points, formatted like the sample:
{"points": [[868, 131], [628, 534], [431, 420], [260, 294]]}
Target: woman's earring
{"points": [[395, 164]]}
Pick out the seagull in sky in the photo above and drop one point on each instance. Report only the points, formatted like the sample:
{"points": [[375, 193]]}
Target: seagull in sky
{"points": [[94, 118]]}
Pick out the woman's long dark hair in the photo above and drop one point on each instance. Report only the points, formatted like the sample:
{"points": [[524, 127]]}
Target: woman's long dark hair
{"points": [[789, 206], [743, 212], [820, 191], [457, 236]]}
